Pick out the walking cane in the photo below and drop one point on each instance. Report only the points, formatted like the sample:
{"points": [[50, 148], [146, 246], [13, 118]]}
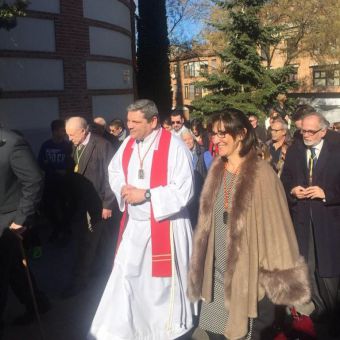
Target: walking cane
{"points": [[25, 263]]}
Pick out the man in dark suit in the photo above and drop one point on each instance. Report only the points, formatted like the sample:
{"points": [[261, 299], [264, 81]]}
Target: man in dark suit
{"points": [[311, 177], [260, 131], [94, 198], [21, 184]]}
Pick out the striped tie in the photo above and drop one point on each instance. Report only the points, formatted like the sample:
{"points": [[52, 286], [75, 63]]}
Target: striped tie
{"points": [[311, 164]]}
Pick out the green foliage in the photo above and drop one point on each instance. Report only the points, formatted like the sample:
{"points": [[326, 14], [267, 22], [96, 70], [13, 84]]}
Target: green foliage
{"points": [[243, 81], [9, 13]]}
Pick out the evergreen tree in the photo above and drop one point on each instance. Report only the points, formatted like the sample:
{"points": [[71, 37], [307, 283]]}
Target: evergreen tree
{"points": [[153, 75], [243, 82], [9, 13]]}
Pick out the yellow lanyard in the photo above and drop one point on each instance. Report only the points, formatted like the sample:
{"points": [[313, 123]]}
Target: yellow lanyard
{"points": [[78, 156]]}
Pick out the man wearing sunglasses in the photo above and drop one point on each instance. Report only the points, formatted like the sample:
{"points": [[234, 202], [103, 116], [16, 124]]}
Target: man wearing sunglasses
{"points": [[311, 177], [177, 123]]}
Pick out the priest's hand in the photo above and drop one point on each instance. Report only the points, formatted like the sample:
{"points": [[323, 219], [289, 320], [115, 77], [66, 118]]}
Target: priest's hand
{"points": [[133, 195], [298, 192], [315, 192]]}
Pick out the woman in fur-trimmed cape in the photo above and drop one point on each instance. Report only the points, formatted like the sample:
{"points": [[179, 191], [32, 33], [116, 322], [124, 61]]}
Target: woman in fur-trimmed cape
{"points": [[261, 264]]}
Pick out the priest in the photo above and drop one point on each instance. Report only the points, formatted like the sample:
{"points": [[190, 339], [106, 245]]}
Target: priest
{"points": [[152, 178]]}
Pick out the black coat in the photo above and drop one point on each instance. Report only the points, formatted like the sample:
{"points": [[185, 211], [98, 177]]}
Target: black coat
{"points": [[325, 215], [21, 180]]}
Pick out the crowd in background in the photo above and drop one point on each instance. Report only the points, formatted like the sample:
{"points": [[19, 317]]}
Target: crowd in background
{"points": [[64, 204]]}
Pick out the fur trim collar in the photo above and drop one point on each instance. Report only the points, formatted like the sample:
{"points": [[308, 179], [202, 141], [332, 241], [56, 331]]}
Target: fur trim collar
{"points": [[243, 191]]}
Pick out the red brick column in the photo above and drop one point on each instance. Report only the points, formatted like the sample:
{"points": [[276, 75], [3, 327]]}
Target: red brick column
{"points": [[73, 46]]}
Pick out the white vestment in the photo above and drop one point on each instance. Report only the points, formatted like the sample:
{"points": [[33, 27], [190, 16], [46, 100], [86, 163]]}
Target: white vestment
{"points": [[135, 305]]}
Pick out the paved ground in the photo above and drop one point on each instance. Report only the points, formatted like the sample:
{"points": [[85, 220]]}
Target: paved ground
{"points": [[68, 319]]}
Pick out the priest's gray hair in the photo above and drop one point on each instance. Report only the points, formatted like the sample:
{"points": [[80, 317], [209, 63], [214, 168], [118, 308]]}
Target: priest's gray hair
{"points": [[147, 106], [324, 123]]}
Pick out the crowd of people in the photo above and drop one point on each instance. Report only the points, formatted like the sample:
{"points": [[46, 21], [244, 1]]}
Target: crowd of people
{"points": [[263, 201]]}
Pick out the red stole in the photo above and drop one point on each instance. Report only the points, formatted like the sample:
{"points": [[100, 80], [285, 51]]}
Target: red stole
{"points": [[160, 231]]}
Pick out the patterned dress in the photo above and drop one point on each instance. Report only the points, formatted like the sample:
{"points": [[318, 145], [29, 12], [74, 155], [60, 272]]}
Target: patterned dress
{"points": [[213, 316]]}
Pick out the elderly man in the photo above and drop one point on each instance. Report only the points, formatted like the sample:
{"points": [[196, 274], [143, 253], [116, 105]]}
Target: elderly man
{"points": [[151, 176], [94, 197], [311, 177], [279, 131], [99, 127], [201, 161], [297, 116]]}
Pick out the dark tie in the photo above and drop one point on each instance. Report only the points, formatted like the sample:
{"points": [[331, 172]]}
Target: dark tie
{"points": [[311, 164]]}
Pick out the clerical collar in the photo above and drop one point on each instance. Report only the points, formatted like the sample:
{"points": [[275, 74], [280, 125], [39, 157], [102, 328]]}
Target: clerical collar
{"points": [[148, 138]]}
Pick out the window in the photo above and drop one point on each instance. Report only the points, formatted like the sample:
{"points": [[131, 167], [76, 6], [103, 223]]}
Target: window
{"points": [[265, 52], [293, 76], [213, 65], [186, 92], [326, 76], [195, 68], [192, 92], [292, 47]]}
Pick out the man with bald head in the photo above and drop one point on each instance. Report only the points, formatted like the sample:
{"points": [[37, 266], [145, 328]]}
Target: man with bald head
{"points": [[311, 177], [99, 126], [95, 199]]}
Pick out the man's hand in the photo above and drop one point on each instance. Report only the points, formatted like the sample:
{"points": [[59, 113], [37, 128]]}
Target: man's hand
{"points": [[106, 214], [315, 192], [15, 226], [17, 229], [133, 195], [299, 192]]}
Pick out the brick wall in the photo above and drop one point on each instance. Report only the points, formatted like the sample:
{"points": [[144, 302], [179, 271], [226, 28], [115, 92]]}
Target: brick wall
{"points": [[73, 48]]}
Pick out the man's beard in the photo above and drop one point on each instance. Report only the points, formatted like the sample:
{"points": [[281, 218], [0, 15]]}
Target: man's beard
{"points": [[310, 143]]}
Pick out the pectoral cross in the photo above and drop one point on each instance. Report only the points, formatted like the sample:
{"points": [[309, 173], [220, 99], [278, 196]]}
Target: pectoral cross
{"points": [[140, 174]]}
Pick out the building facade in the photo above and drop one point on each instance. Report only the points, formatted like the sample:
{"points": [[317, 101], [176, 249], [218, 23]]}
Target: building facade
{"points": [[319, 83], [185, 70], [66, 57]]}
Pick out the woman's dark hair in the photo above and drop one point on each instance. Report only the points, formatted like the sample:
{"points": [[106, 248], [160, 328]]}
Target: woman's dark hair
{"points": [[197, 123], [235, 122], [166, 121]]}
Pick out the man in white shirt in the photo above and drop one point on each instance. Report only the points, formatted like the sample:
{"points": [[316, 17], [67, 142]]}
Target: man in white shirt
{"points": [[177, 123], [152, 178]]}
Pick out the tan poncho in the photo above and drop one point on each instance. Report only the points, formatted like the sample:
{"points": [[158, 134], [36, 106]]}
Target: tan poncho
{"points": [[262, 251]]}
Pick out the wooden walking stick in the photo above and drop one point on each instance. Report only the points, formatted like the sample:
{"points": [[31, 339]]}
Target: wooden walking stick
{"points": [[30, 284]]}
